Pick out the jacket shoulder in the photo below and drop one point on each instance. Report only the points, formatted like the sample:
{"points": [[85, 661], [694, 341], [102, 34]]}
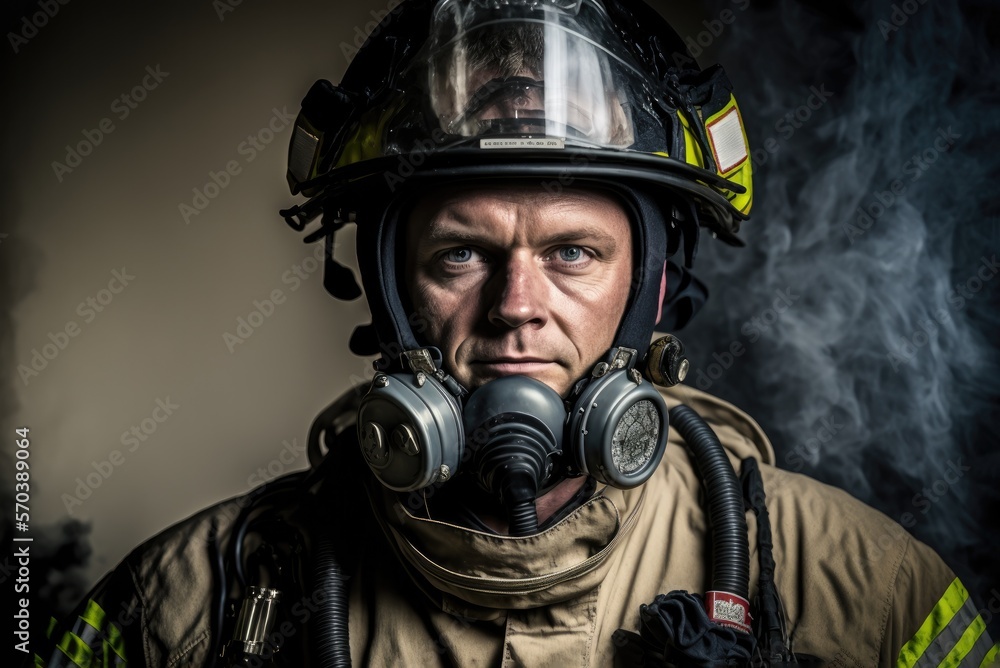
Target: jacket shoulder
{"points": [[176, 575], [853, 581], [153, 608]]}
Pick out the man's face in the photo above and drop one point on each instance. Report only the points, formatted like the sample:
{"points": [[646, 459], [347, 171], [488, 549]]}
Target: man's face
{"points": [[515, 280]]}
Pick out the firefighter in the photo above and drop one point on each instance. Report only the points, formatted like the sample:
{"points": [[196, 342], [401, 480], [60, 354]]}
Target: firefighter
{"points": [[527, 481]]}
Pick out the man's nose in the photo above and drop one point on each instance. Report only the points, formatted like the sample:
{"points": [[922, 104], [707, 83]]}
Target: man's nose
{"points": [[519, 293]]}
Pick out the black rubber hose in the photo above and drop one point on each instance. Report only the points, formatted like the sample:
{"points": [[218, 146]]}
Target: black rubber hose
{"points": [[330, 639], [512, 465], [523, 519], [519, 497], [730, 548]]}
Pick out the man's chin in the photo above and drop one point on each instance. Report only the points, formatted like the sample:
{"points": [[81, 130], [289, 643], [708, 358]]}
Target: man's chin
{"points": [[550, 373]]}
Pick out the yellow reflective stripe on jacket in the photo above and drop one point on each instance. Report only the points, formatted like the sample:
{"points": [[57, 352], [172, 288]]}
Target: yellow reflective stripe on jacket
{"points": [[116, 641], [951, 633], [93, 614], [991, 657], [93, 642], [76, 650], [53, 622]]}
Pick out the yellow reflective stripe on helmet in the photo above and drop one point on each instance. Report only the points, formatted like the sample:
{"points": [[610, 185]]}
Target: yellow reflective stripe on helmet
{"points": [[990, 657], [948, 633], [727, 138], [76, 650], [365, 142]]}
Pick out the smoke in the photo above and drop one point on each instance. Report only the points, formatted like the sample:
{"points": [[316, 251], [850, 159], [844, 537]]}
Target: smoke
{"points": [[57, 550], [859, 325]]}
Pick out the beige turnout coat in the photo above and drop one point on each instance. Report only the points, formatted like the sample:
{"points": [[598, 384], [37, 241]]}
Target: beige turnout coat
{"points": [[858, 591]]}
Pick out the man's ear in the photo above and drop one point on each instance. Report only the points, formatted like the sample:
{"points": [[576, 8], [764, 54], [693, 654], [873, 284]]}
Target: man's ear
{"points": [[663, 293]]}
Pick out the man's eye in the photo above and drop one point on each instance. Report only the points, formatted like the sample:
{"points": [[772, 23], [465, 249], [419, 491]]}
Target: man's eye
{"points": [[571, 254], [461, 256], [458, 255]]}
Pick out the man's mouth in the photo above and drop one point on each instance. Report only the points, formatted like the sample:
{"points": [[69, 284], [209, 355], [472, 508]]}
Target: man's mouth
{"points": [[507, 366]]}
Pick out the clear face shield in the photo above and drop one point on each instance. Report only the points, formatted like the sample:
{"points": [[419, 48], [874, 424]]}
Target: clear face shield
{"points": [[526, 75], [530, 68]]}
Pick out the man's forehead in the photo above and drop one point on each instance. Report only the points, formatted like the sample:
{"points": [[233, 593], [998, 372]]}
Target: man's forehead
{"points": [[465, 204]]}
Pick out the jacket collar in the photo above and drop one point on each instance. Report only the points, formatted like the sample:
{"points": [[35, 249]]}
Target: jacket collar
{"points": [[476, 573]]}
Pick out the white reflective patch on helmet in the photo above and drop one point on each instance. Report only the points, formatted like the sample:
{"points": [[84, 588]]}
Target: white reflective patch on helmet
{"points": [[729, 146]]}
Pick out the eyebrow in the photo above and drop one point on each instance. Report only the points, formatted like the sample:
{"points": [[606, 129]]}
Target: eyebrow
{"points": [[443, 231]]}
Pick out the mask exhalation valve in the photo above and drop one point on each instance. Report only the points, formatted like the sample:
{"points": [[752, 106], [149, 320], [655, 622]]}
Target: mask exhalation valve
{"points": [[514, 429]]}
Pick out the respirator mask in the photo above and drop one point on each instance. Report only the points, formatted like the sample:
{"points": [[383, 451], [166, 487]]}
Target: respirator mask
{"points": [[515, 434]]}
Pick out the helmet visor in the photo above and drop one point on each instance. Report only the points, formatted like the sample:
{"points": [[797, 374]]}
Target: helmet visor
{"points": [[530, 68], [532, 75]]}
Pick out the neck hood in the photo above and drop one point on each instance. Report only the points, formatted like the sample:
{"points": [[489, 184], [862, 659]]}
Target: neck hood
{"points": [[478, 574]]}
